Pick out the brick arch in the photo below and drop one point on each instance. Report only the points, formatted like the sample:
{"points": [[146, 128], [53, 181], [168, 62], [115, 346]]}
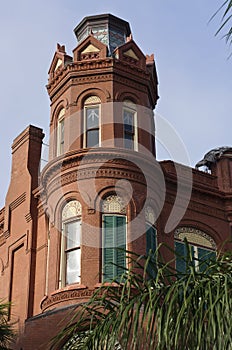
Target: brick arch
{"points": [[110, 190], [69, 196], [104, 96], [125, 95], [198, 225], [61, 104]]}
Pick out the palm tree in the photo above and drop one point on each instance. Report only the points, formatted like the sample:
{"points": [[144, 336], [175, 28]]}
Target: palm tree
{"points": [[226, 20], [6, 331], [188, 310]]}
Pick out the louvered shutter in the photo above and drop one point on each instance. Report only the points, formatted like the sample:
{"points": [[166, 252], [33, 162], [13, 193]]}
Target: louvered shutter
{"points": [[150, 238], [151, 246], [120, 239], [180, 249], [108, 247], [205, 256]]}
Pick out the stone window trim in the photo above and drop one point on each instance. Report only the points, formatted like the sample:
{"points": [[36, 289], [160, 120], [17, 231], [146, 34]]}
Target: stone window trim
{"points": [[195, 236], [113, 204]]}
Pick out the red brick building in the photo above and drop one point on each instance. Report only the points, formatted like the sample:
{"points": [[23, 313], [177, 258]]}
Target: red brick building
{"points": [[102, 187]]}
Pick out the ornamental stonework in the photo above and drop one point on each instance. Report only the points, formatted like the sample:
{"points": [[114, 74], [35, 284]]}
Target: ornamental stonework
{"points": [[65, 296], [113, 204], [195, 236]]}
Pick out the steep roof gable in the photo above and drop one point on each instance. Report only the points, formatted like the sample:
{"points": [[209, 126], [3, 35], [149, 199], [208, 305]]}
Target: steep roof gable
{"points": [[60, 59], [90, 48], [130, 52]]}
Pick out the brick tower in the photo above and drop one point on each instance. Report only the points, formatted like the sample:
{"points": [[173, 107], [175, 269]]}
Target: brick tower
{"points": [[102, 155], [102, 188]]}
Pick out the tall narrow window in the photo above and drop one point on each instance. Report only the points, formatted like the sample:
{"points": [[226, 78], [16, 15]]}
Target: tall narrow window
{"points": [[92, 122], [114, 238], [201, 248], [60, 133], [130, 125], [151, 243], [70, 271]]}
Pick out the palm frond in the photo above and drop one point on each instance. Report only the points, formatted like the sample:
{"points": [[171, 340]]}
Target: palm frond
{"points": [[6, 330], [168, 311], [226, 20]]}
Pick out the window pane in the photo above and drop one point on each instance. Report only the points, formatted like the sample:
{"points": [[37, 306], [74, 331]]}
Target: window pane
{"points": [[128, 141], [180, 249], [62, 130], [73, 266], [72, 232], [60, 141], [92, 117], [92, 138], [128, 120]]}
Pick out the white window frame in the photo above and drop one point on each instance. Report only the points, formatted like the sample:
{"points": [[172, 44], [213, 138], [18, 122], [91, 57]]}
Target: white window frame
{"points": [[131, 107], [77, 217], [92, 102], [60, 143]]}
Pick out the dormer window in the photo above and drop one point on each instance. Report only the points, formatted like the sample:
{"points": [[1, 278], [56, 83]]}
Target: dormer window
{"points": [[60, 133], [92, 122], [130, 125]]}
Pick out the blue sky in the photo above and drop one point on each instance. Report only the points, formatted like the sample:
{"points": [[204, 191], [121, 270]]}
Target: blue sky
{"points": [[195, 84]]}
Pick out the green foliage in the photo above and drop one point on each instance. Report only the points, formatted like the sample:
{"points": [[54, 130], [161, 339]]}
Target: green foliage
{"points": [[6, 331], [191, 311]]}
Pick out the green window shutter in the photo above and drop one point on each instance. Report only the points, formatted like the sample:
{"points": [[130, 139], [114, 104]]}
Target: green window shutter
{"points": [[108, 250], [150, 238], [151, 247], [114, 245], [205, 256], [120, 254], [180, 250]]}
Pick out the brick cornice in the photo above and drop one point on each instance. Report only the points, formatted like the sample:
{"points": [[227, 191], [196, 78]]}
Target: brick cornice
{"points": [[98, 70], [77, 165]]}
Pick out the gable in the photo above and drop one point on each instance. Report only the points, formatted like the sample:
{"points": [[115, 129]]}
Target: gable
{"points": [[90, 48], [58, 64], [131, 53], [59, 60]]}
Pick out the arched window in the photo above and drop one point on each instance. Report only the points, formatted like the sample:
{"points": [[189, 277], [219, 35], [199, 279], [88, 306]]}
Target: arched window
{"points": [[60, 132], [202, 248], [130, 135], [114, 237], [150, 230], [151, 239], [70, 270], [92, 122]]}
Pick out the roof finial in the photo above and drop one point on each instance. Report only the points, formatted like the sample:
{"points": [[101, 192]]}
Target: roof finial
{"points": [[129, 38]]}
